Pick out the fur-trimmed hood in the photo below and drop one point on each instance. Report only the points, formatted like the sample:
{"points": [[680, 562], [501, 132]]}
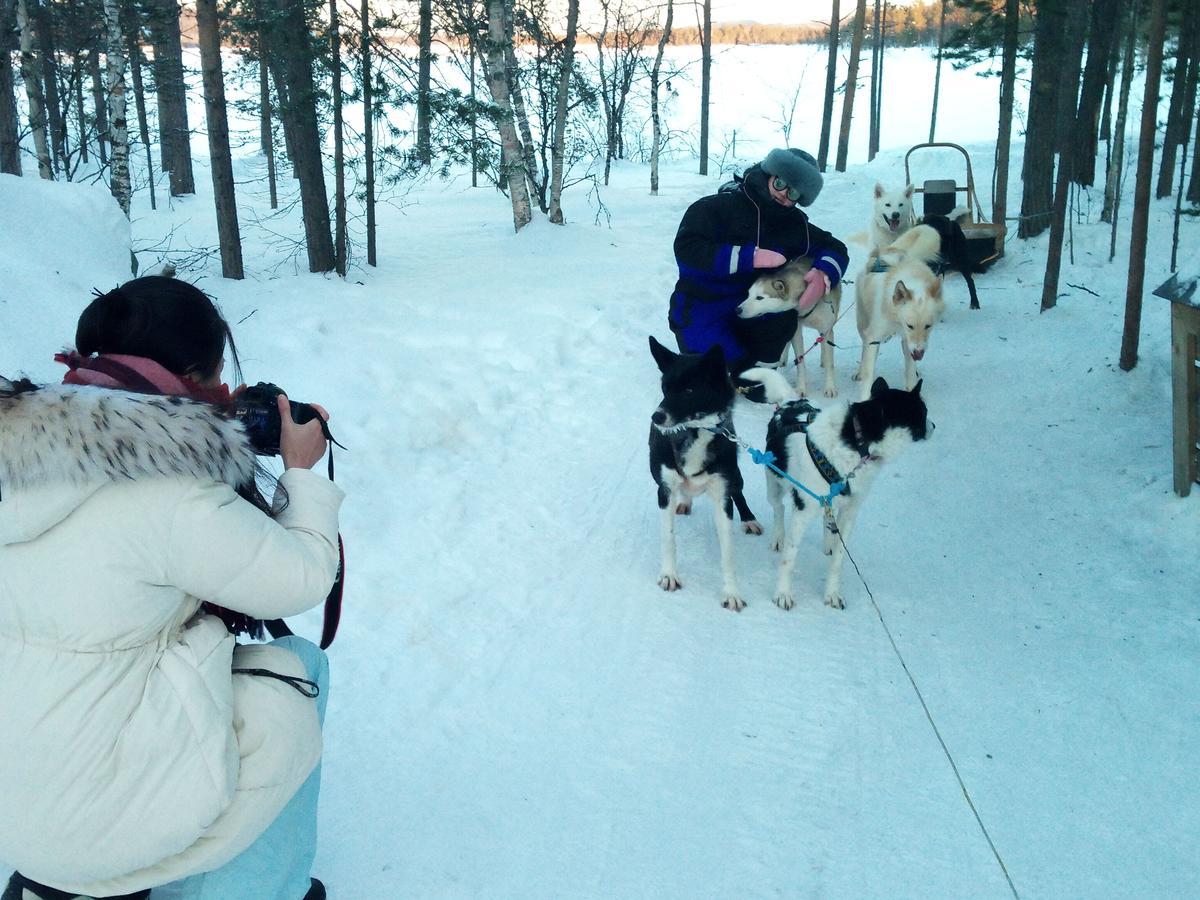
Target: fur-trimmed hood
{"points": [[59, 444]]}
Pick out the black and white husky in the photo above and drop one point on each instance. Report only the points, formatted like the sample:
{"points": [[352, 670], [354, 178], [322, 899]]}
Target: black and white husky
{"points": [[691, 454], [842, 440]]}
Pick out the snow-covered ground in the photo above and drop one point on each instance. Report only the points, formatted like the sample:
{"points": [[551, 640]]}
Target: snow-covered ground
{"points": [[518, 711]]}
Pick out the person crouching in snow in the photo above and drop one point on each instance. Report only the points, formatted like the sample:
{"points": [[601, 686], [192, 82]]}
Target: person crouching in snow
{"points": [[142, 746], [726, 241]]}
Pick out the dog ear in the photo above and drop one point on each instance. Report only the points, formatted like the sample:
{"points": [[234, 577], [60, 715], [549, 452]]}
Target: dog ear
{"points": [[916, 391], [780, 287], [879, 388], [662, 355], [908, 192], [902, 294], [878, 190]]}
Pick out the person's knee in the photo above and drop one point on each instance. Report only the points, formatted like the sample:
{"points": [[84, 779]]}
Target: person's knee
{"points": [[315, 660]]}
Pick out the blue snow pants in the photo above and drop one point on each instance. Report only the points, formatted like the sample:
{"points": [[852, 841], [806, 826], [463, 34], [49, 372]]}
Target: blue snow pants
{"points": [[277, 865]]}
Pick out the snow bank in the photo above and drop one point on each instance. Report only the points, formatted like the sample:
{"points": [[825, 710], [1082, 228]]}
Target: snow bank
{"points": [[60, 241]]}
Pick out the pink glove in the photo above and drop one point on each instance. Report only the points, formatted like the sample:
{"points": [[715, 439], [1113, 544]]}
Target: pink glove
{"points": [[768, 259], [818, 287]]}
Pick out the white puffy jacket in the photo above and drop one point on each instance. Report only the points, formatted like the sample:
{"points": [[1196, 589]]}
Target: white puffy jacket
{"points": [[131, 756]]}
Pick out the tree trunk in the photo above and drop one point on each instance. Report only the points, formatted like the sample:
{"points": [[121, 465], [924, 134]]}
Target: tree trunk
{"points": [[33, 92], [860, 19], [937, 71], [1068, 90], [339, 171], [266, 134], [517, 101], [706, 83], [830, 85], [1193, 191], [10, 126], [558, 148], [99, 104], [80, 115], [512, 165], [1116, 159], [1141, 196], [1042, 121], [369, 128], [876, 54], [174, 131], [425, 52], [1008, 72], [209, 34], [129, 17], [114, 52], [1105, 15], [474, 118], [53, 100], [655, 116], [1179, 115], [290, 38]]}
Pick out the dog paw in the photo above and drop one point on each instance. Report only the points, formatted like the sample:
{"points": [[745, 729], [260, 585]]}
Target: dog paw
{"points": [[683, 509], [752, 527], [831, 392], [733, 602], [669, 582], [857, 376], [785, 601], [777, 543], [835, 600]]}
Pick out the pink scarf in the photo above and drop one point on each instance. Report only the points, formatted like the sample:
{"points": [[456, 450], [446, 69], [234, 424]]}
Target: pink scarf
{"points": [[134, 373]]}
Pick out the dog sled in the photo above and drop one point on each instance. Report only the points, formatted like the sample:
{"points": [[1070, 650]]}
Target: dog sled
{"points": [[985, 240]]}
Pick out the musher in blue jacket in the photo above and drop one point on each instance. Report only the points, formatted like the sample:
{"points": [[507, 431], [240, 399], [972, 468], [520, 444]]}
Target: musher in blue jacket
{"points": [[727, 240]]}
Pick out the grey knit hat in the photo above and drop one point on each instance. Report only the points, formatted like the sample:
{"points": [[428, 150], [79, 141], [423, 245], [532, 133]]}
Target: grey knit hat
{"points": [[798, 169]]}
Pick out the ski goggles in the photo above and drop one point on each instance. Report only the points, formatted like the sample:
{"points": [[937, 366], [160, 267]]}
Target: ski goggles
{"points": [[782, 186]]}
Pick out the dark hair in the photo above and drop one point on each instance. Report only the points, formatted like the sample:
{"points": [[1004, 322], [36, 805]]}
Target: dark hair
{"points": [[164, 319]]}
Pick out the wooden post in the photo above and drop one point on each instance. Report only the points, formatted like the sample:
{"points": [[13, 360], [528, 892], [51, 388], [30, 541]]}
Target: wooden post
{"points": [[1185, 378]]}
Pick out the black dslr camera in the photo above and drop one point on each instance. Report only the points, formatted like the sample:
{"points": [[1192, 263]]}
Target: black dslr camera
{"points": [[258, 411]]}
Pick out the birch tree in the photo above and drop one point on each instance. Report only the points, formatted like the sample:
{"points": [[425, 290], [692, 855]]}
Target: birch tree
{"points": [[118, 133], [33, 92], [512, 159], [557, 148]]}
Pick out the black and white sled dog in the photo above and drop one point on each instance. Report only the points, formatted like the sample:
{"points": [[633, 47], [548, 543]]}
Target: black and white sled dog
{"points": [[688, 459], [779, 291], [841, 440]]}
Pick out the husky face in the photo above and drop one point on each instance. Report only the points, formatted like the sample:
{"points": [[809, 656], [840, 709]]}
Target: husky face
{"points": [[917, 309], [893, 209], [696, 388]]}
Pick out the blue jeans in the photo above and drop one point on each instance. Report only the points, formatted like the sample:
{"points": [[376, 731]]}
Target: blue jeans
{"points": [[277, 865]]}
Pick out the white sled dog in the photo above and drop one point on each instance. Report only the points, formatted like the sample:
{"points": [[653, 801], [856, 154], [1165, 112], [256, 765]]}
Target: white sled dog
{"points": [[897, 292], [891, 216], [779, 291], [819, 448]]}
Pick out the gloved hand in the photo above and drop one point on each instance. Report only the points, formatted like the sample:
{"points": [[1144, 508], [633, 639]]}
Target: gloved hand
{"points": [[768, 259], [818, 287]]}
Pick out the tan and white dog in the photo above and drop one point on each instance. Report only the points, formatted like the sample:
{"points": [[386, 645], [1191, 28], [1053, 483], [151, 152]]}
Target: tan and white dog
{"points": [[779, 291], [891, 216], [897, 292]]}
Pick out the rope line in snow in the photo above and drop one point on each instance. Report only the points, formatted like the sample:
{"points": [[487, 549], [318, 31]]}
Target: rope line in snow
{"points": [[932, 724]]}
